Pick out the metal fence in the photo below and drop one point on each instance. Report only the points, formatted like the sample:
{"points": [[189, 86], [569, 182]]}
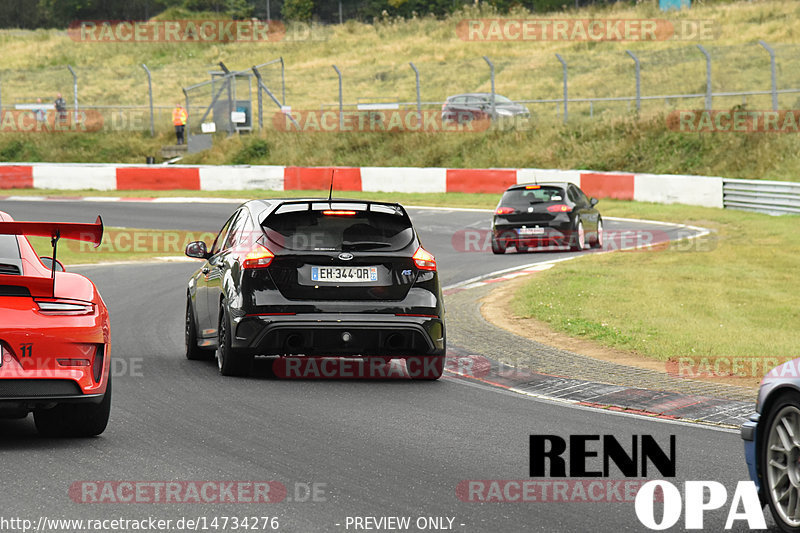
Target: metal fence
{"points": [[581, 82], [772, 197], [643, 80]]}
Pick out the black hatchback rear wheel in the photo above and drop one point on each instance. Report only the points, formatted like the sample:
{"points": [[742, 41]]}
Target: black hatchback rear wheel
{"points": [[231, 361]]}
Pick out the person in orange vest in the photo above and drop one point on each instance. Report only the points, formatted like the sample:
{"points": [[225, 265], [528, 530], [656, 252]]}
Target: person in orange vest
{"points": [[179, 121]]}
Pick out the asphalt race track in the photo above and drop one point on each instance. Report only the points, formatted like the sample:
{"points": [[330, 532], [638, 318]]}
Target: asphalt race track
{"points": [[374, 448]]}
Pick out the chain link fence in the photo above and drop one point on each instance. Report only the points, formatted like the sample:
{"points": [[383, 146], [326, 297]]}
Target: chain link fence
{"points": [[598, 83]]}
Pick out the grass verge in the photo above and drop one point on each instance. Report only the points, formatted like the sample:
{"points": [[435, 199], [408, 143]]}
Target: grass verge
{"points": [[625, 143], [726, 295]]}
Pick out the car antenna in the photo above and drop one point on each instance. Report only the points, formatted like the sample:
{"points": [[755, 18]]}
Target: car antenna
{"points": [[330, 192]]}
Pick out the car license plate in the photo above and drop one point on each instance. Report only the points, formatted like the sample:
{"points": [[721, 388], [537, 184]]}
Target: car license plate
{"points": [[531, 231], [344, 274]]}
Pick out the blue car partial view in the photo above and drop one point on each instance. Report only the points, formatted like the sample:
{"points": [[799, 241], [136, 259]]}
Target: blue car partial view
{"points": [[772, 444]]}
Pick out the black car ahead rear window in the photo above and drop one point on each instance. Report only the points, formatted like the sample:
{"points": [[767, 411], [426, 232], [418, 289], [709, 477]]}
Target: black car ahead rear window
{"points": [[526, 197], [343, 227]]}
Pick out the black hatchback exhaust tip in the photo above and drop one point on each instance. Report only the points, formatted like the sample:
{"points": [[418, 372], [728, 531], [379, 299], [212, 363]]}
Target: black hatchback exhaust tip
{"points": [[395, 341], [294, 341]]}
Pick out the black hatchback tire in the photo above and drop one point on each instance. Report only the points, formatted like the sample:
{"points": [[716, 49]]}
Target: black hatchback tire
{"points": [[231, 362]]}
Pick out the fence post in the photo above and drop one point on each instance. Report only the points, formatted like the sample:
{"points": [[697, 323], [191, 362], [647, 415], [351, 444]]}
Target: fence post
{"points": [[708, 76], [491, 73], [564, 64], [773, 73], [150, 92], [341, 106], [260, 102], [187, 129], [229, 79], [638, 80], [74, 90], [283, 83], [419, 100]]}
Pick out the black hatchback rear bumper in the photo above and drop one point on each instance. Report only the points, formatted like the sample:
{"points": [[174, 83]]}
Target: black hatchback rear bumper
{"points": [[340, 334]]}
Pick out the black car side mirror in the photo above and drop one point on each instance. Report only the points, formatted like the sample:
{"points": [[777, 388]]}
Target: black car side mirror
{"points": [[197, 249], [594, 201]]}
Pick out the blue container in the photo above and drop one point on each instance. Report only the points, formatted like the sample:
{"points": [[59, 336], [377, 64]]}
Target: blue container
{"points": [[666, 5]]}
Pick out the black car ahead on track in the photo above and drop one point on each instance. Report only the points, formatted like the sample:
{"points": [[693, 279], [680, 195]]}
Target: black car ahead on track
{"points": [[315, 277], [555, 214]]}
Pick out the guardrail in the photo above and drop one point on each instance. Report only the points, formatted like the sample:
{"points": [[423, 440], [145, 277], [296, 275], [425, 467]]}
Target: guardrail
{"points": [[772, 197]]}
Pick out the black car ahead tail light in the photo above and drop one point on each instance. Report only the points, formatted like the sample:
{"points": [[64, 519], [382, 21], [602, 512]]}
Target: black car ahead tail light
{"points": [[559, 208], [504, 211], [424, 259], [97, 367]]}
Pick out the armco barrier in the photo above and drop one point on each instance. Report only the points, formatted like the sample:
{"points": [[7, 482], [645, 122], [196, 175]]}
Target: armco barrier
{"points": [[772, 197], [660, 188]]}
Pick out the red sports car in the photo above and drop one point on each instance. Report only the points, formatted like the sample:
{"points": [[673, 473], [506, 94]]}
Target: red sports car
{"points": [[54, 334]]}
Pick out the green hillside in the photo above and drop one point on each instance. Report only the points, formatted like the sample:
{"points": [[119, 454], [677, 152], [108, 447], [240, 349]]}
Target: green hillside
{"points": [[374, 60]]}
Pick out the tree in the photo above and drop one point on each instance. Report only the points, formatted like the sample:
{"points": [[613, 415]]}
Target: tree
{"points": [[300, 10]]}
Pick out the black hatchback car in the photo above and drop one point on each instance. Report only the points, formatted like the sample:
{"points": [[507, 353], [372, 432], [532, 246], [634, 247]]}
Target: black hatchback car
{"points": [[315, 277], [555, 214]]}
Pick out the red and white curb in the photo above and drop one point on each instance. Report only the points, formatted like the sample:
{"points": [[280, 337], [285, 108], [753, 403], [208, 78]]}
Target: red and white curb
{"points": [[660, 188]]}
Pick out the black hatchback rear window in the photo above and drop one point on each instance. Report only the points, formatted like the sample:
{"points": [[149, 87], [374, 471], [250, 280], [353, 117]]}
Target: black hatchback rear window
{"points": [[339, 229], [533, 195]]}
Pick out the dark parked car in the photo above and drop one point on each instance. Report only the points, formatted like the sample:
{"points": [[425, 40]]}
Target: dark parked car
{"points": [[477, 106], [315, 277], [772, 444], [555, 214]]}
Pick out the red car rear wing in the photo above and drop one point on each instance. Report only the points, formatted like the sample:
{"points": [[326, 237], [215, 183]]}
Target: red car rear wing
{"points": [[55, 230]]}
